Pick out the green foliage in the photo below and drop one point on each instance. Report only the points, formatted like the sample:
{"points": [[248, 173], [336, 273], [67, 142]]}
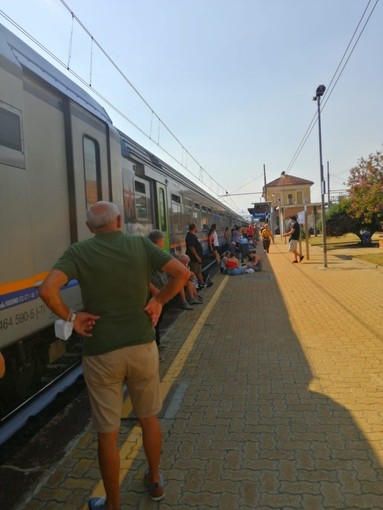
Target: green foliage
{"points": [[366, 191], [363, 209], [340, 222]]}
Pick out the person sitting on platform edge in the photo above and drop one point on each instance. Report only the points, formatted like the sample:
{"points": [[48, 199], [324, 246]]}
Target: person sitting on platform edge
{"points": [[294, 232], [190, 288], [233, 266], [158, 281], [255, 261], [113, 270]]}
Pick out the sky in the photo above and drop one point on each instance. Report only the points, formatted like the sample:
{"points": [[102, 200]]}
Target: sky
{"points": [[232, 81]]}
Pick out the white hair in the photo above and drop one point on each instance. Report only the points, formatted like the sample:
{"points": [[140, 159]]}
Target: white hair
{"points": [[101, 214]]}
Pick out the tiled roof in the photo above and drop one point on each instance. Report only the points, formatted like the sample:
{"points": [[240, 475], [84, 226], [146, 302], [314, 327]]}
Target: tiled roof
{"points": [[289, 180]]}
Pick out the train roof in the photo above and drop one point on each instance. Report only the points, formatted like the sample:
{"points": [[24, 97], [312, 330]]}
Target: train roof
{"points": [[16, 54], [131, 148]]}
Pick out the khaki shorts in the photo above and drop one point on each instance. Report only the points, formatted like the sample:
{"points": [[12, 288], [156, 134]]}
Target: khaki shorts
{"points": [[195, 267], [293, 245], [138, 367]]}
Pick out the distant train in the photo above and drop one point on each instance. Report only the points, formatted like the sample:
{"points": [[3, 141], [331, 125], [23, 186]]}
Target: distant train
{"points": [[59, 153]]}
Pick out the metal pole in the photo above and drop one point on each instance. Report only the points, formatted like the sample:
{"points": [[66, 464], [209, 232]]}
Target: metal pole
{"points": [[323, 186], [283, 204], [328, 184]]}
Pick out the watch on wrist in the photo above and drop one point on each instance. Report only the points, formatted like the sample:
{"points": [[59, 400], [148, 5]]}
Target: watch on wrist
{"points": [[72, 316]]}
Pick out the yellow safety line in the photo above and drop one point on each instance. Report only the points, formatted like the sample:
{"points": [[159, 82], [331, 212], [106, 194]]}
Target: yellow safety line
{"points": [[133, 443]]}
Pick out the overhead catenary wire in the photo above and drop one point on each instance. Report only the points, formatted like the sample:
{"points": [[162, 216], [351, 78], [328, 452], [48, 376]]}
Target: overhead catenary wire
{"points": [[186, 155], [334, 81], [160, 121], [88, 84]]}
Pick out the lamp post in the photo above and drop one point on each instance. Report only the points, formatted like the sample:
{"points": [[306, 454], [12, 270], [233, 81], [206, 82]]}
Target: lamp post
{"points": [[283, 174], [319, 93]]}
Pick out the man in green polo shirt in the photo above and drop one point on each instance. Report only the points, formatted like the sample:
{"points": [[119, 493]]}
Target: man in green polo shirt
{"points": [[113, 270]]}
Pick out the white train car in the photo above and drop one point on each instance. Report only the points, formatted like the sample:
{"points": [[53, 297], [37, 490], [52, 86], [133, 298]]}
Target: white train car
{"points": [[59, 153]]}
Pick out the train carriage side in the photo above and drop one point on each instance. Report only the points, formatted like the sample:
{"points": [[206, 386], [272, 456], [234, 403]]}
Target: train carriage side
{"points": [[157, 196], [57, 147], [59, 153]]}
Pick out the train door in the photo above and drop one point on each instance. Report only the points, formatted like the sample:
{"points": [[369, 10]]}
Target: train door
{"points": [[162, 214], [88, 166]]}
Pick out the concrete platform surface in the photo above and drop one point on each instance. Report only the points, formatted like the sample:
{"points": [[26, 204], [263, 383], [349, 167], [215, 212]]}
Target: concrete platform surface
{"points": [[273, 398]]}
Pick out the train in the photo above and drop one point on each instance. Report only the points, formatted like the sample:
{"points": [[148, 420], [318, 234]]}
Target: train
{"points": [[59, 153]]}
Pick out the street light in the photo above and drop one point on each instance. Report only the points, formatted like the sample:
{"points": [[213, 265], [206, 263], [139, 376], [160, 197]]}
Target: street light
{"points": [[283, 175], [319, 93]]}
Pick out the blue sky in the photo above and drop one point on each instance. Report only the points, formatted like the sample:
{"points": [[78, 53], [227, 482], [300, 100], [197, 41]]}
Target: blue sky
{"points": [[232, 79]]}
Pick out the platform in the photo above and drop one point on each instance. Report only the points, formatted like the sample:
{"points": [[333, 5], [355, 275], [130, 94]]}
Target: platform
{"points": [[274, 398]]}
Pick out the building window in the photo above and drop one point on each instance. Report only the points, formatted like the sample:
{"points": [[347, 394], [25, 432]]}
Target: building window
{"points": [[299, 197], [289, 199]]}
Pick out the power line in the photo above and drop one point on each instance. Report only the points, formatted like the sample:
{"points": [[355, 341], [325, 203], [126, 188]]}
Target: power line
{"points": [[136, 91], [330, 89], [111, 105]]}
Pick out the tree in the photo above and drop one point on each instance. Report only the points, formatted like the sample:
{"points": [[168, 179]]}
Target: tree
{"points": [[339, 221], [365, 203]]}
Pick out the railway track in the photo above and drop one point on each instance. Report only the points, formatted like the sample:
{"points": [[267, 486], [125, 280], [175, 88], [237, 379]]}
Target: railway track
{"points": [[18, 417], [61, 375]]}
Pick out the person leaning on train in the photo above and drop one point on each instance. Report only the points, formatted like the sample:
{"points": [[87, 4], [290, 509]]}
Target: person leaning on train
{"points": [[2, 366], [113, 270], [194, 250], [158, 280]]}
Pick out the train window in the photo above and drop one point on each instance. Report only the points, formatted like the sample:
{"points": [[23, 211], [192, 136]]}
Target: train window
{"points": [[140, 187], [10, 134], [162, 208], [176, 204], [188, 205], [11, 142], [143, 204], [92, 170]]}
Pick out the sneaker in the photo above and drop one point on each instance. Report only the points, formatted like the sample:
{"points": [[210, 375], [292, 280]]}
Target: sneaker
{"points": [[301, 258], [186, 306], [295, 262], [195, 302], [97, 504], [201, 287], [156, 490]]}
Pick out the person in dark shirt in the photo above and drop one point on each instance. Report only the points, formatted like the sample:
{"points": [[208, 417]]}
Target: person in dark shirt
{"points": [[194, 251], [294, 234]]}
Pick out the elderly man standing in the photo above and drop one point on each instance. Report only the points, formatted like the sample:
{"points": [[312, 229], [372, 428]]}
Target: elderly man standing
{"points": [[194, 251], [113, 270]]}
